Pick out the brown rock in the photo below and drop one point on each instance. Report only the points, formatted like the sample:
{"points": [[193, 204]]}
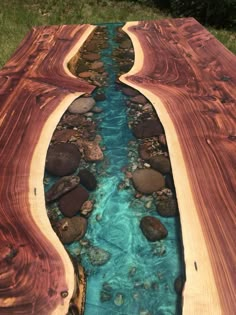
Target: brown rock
{"points": [[144, 151], [100, 97], [160, 163], [162, 140], [167, 207], [62, 159], [91, 56], [71, 229], [153, 229], [126, 44], [62, 186], [147, 180], [71, 203], [147, 129], [87, 179], [73, 120]]}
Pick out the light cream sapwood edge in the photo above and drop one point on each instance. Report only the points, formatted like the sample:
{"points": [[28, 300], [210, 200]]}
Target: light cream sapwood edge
{"points": [[37, 202], [200, 294]]}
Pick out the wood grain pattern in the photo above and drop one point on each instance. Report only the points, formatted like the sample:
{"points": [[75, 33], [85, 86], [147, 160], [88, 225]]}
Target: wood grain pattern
{"points": [[190, 79], [36, 274]]}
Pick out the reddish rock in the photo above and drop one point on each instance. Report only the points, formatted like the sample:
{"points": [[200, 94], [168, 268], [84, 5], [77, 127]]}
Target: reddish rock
{"points": [[139, 99], [62, 159], [71, 203], [91, 56], [64, 135], [62, 186], [100, 97], [85, 74], [129, 92], [73, 120], [96, 65], [167, 207], [153, 229], [147, 129], [92, 150]]}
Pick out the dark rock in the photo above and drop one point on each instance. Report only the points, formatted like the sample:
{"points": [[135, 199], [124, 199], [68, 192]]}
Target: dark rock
{"points": [[167, 207], [144, 151], [62, 186], [160, 163], [129, 92], [82, 67], [139, 99], [153, 229], [126, 44], [62, 159], [179, 284], [125, 67], [73, 120], [147, 180], [100, 97], [87, 179], [147, 129], [169, 182], [71, 229], [71, 203]]}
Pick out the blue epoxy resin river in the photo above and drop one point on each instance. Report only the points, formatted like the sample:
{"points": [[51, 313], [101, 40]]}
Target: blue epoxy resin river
{"points": [[126, 273], [138, 278]]}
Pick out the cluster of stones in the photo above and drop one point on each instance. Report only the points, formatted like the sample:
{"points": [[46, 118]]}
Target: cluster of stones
{"points": [[150, 169], [74, 153]]}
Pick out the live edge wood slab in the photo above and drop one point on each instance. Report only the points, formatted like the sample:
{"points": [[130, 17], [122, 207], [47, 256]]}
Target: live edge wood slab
{"points": [[190, 78]]}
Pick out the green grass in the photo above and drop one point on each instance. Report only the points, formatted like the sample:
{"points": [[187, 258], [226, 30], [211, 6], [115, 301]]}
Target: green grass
{"points": [[18, 16]]}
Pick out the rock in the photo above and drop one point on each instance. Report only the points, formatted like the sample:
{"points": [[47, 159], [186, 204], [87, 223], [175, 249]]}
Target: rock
{"points": [[86, 208], [126, 44], [73, 120], [70, 230], [91, 56], [92, 46], [147, 108], [147, 181], [82, 68], [119, 299], [62, 186], [98, 256], [148, 128], [144, 151], [100, 97], [153, 229], [92, 151], [129, 91], [106, 293], [160, 163], [139, 99], [96, 65], [71, 203], [85, 74], [87, 179], [97, 109], [167, 207], [62, 159], [179, 284], [64, 135], [162, 140], [169, 183], [81, 105]]}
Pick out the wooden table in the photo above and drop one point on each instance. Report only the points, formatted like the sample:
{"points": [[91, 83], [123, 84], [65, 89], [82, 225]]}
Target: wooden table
{"points": [[190, 79]]}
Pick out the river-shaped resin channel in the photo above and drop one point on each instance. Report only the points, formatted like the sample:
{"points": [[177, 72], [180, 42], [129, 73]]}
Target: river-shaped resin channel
{"points": [[126, 273]]}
